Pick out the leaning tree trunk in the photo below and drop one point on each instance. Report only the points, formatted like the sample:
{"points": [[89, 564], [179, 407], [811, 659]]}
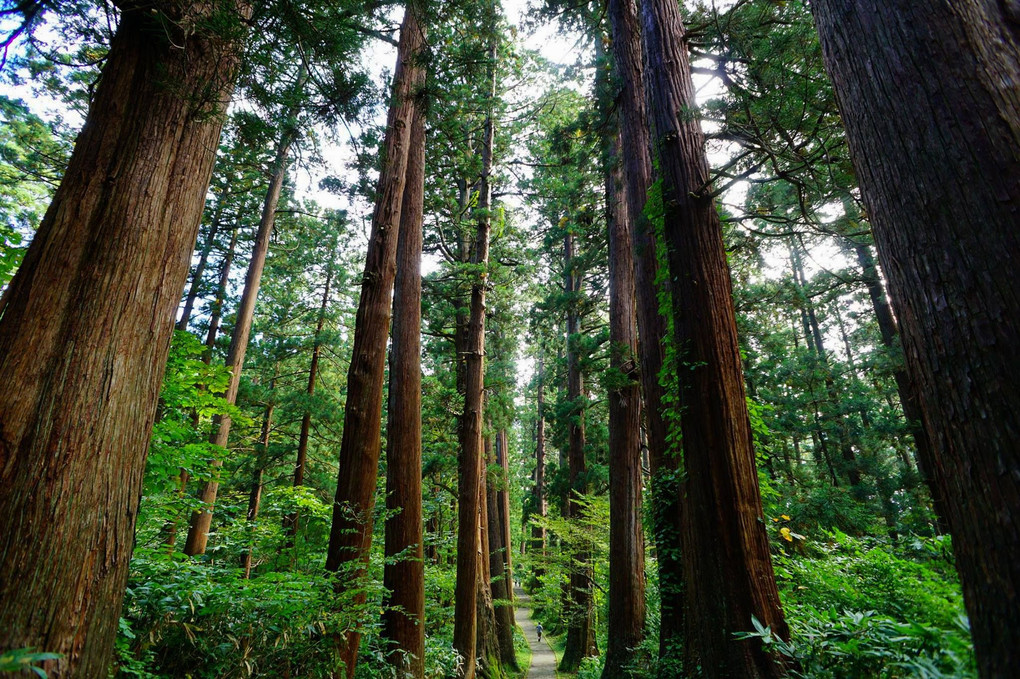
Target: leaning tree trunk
{"points": [[85, 328], [350, 536], [626, 537], [580, 642], [663, 463], [929, 97], [201, 520], [404, 579], [727, 564], [469, 464]]}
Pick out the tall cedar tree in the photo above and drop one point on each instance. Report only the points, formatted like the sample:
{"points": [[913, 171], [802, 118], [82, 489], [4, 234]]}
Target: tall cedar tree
{"points": [[350, 535], [103, 275], [580, 642], [404, 575], [637, 166], [499, 546], [626, 537], [538, 530], [928, 95], [727, 565], [469, 465], [201, 520]]}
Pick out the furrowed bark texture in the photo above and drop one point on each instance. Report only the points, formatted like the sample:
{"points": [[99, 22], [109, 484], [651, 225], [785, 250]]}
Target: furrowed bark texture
{"points": [[930, 100], [201, 521], [85, 327], [469, 464], [626, 538], [637, 166], [404, 609], [727, 565], [350, 536]]}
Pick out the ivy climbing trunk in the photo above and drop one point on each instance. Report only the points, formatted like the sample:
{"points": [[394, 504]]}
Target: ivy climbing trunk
{"points": [[932, 112], [727, 564], [637, 166], [350, 535], [103, 275]]}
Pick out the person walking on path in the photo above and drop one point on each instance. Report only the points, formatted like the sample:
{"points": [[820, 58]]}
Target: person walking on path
{"points": [[538, 628], [543, 660]]}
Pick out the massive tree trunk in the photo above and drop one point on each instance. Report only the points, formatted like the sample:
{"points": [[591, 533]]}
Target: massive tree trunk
{"points": [[469, 464], [103, 277], [498, 554], [663, 463], [201, 520], [626, 538], [502, 458], [350, 536], [404, 609], [929, 98], [727, 564], [291, 522], [487, 641], [578, 611]]}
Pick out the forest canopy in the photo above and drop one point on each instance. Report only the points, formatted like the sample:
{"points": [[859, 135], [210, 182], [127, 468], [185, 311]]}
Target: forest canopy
{"points": [[452, 338]]}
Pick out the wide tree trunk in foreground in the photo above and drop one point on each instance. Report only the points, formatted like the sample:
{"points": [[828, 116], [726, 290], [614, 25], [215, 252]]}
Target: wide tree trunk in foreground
{"points": [[469, 464], [727, 564], [928, 93], [626, 537], [201, 520], [663, 463], [350, 536], [404, 608], [578, 609], [103, 276]]}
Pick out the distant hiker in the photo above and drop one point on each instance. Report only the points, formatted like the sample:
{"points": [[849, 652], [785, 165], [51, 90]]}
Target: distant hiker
{"points": [[538, 628]]}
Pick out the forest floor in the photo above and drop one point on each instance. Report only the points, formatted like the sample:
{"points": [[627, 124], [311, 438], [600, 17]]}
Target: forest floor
{"points": [[543, 660]]}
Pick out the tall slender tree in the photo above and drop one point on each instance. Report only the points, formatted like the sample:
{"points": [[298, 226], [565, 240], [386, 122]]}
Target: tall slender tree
{"points": [[404, 575], [350, 536], [103, 275], [932, 115]]}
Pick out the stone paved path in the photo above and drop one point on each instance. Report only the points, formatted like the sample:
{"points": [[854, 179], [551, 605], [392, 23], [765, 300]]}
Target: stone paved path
{"points": [[543, 661]]}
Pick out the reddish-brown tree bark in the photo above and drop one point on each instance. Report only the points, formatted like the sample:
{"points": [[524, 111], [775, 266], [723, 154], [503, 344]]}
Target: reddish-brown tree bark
{"points": [[350, 536], [538, 531], [932, 112], [580, 641], [469, 464], [637, 166], [404, 609], [497, 555], [727, 565], [85, 327], [626, 537], [201, 520]]}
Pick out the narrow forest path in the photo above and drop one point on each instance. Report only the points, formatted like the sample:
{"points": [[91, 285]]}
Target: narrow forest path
{"points": [[543, 660]]}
